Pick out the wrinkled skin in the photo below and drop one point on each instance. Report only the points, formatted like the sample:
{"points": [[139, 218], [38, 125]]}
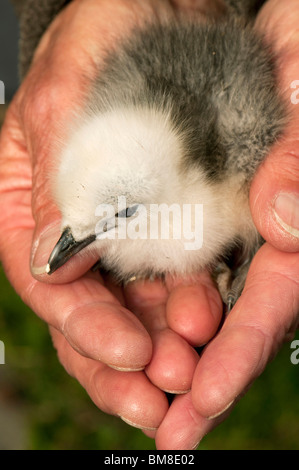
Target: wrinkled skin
{"points": [[126, 347]]}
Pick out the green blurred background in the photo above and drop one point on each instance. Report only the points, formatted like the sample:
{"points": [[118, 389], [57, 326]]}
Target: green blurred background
{"points": [[41, 407]]}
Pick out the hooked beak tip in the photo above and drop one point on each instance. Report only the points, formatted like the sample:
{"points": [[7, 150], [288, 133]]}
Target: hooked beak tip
{"points": [[66, 248], [48, 269]]}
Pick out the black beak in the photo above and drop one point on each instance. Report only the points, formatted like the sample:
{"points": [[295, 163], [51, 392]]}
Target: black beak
{"points": [[65, 248]]}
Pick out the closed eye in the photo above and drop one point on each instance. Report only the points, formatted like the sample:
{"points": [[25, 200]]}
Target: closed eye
{"points": [[128, 212]]}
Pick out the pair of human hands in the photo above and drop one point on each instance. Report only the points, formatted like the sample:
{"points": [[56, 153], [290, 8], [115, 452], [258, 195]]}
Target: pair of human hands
{"points": [[127, 346]]}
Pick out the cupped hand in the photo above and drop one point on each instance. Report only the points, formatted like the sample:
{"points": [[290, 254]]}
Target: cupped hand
{"points": [[125, 361]]}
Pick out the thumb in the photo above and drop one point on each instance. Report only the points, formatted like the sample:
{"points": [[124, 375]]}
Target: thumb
{"points": [[274, 194]]}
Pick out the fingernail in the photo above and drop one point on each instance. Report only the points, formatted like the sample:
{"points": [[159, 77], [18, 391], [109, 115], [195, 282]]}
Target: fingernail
{"points": [[125, 369], [286, 212], [177, 392], [42, 247], [139, 426], [195, 446], [219, 413]]}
